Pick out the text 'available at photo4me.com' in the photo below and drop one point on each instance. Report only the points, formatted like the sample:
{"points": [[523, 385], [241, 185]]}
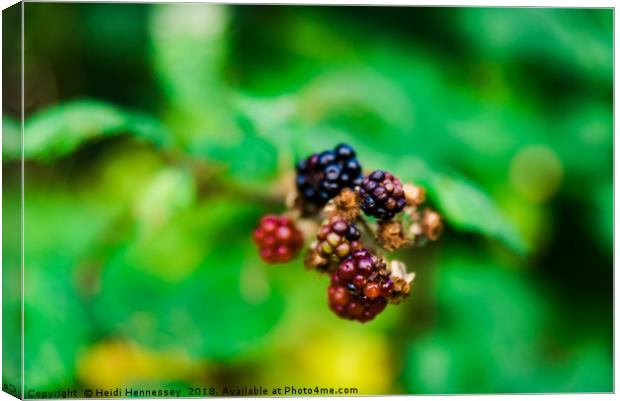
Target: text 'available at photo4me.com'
{"points": [[161, 392]]}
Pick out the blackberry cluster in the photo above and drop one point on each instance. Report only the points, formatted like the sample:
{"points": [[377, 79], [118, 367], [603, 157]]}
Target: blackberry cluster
{"points": [[330, 187], [336, 240], [360, 288], [322, 176], [277, 238], [382, 195]]}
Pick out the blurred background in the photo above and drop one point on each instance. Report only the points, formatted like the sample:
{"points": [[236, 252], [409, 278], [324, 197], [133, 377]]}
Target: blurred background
{"points": [[156, 136]]}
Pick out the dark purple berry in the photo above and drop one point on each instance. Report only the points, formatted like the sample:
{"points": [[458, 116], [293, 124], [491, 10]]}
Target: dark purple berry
{"points": [[323, 176], [353, 234], [327, 157], [382, 195], [341, 227], [353, 166], [302, 166], [344, 152], [332, 172], [377, 175]]}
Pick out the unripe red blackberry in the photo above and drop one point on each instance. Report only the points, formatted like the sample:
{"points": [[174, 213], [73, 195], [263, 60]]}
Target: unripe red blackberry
{"points": [[360, 288], [277, 238], [336, 240], [322, 176], [382, 195]]}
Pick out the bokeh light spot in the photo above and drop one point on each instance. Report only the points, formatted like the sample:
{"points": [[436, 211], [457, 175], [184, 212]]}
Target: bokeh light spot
{"points": [[536, 173]]}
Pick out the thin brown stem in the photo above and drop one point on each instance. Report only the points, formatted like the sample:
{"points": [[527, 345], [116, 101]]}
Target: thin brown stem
{"points": [[366, 226], [371, 233], [210, 182]]}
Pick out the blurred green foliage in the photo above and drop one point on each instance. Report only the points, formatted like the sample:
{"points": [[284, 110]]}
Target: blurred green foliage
{"points": [[156, 136]]}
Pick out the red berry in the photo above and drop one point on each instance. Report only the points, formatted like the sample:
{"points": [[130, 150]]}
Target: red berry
{"points": [[372, 290], [277, 238], [347, 269], [359, 281], [340, 296], [284, 233], [360, 287]]}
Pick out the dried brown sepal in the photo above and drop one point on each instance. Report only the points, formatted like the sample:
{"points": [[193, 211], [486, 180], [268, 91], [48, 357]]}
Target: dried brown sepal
{"points": [[402, 289], [416, 234], [402, 281], [314, 261], [414, 195], [296, 202], [432, 225], [391, 235], [346, 205]]}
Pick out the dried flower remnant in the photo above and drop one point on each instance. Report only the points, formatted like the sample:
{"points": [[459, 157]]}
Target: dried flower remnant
{"points": [[432, 225], [391, 235], [346, 206], [402, 280], [414, 195]]}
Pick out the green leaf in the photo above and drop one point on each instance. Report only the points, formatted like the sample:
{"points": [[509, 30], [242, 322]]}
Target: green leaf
{"points": [[60, 130], [188, 50], [468, 208]]}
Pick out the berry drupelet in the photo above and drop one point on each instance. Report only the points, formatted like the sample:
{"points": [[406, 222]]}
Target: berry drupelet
{"points": [[277, 238], [336, 240], [382, 195], [323, 175], [360, 288]]}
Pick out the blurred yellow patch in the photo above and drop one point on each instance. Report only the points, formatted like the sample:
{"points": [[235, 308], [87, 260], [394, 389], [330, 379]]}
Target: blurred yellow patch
{"points": [[125, 172], [532, 220], [118, 363], [339, 358], [536, 172]]}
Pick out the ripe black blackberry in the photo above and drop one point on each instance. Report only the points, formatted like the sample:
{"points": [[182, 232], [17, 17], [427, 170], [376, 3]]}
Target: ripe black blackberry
{"points": [[336, 240], [323, 175], [382, 195], [360, 288]]}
